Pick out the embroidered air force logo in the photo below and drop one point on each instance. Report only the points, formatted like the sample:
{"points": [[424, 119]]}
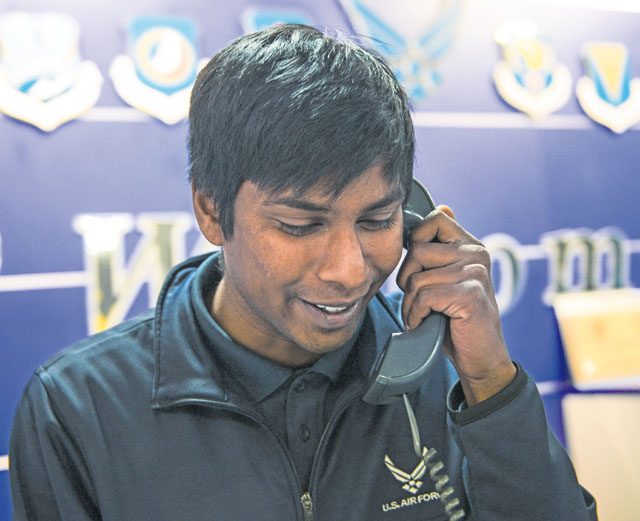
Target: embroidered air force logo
{"points": [[256, 18], [157, 74], [411, 481], [529, 78], [606, 93], [412, 35], [43, 80]]}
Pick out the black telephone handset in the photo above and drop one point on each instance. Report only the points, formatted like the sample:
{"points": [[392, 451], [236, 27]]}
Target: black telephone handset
{"points": [[407, 357]]}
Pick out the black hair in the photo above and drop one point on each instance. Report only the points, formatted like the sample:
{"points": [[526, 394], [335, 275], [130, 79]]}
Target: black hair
{"points": [[291, 107]]}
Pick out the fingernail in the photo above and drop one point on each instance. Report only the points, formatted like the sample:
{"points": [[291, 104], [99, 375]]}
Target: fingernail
{"points": [[407, 326]]}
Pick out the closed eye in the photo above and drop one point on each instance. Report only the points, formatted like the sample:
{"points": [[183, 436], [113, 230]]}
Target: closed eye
{"points": [[298, 230], [379, 224], [372, 225]]}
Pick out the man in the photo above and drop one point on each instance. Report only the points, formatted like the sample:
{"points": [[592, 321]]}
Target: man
{"points": [[240, 396]]}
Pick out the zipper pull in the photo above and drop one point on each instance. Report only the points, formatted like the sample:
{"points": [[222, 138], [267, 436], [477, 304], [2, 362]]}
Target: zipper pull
{"points": [[307, 506]]}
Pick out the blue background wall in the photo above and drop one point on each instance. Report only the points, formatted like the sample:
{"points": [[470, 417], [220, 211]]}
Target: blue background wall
{"points": [[497, 169]]}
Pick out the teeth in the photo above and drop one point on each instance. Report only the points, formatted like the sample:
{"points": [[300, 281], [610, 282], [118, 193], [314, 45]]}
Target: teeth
{"points": [[331, 309]]}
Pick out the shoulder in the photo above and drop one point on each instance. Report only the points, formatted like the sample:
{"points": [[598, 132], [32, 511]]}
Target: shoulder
{"points": [[106, 361]]}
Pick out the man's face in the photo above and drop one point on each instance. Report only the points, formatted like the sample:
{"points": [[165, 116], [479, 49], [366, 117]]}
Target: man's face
{"points": [[299, 272]]}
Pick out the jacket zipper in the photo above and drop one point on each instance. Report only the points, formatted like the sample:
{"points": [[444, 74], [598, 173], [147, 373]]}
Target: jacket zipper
{"points": [[307, 501], [307, 506]]}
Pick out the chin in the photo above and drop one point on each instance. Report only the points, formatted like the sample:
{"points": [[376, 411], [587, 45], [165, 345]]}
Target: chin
{"points": [[321, 346]]}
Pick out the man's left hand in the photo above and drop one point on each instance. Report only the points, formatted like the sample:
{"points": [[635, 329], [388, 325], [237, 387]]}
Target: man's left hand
{"points": [[448, 270]]}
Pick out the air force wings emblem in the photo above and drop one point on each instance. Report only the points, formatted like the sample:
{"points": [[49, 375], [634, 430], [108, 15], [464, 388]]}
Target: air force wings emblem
{"points": [[43, 81], [411, 481], [606, 93], [157, 74], [529, 78], [257, 18], [412, 35]]}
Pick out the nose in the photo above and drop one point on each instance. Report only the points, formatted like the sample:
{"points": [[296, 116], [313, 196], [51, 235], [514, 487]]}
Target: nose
{"points": [[342, 260]]}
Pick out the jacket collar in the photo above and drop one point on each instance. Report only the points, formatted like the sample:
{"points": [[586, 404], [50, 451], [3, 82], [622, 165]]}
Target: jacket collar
{"points": [[186, 371]]}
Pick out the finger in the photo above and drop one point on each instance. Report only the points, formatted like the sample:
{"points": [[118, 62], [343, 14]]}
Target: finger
{"points": [[447, 210], [448, 275], [457, 301], [423, 256], [440, 227]]}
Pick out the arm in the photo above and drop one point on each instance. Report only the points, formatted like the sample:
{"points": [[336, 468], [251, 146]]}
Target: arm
{"points": [[514, 467], [49, 480]]}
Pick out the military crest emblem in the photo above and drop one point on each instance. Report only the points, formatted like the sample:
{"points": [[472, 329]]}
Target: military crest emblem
{"points": [[529, 78], [411, 34], [256, 18], [607, 93], [43, 80], [411, 481], [158, 71]]}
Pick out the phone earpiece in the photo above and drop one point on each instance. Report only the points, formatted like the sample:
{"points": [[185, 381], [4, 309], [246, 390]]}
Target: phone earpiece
{"points": [[419, 205], [411, 220]]}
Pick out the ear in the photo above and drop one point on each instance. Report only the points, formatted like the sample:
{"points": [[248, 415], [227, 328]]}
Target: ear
{"points": [[207, 216]]}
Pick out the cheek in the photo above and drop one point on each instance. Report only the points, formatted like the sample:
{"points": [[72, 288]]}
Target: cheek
{"points": [[392, 252], [386, 258], [272, 260], [393, 257]]}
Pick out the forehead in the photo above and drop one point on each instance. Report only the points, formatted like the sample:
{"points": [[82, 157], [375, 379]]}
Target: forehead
{"points": [[370, 187]]}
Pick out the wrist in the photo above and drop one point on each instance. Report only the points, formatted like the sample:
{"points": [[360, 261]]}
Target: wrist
{"points": [[477, 390]]}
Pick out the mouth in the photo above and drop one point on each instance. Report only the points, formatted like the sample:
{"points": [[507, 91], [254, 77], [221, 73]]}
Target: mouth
{"points": [[332, 309], [333, 315]]}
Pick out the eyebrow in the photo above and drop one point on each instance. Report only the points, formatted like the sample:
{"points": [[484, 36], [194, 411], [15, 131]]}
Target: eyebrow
{"points": [[294, 202]]}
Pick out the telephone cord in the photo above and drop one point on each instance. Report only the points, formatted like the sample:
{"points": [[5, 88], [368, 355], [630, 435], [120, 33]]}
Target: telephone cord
{"points": [[434, 467]]}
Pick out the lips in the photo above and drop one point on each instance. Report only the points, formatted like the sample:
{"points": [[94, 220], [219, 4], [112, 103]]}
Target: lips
{"points": [[332, 315]]}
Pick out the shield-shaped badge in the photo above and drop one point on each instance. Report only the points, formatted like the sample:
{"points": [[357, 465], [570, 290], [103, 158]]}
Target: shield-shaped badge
{"points": [[412, 35], [43, 80], [529, 78], [157, 74], [256, 18], [607, 93]]}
